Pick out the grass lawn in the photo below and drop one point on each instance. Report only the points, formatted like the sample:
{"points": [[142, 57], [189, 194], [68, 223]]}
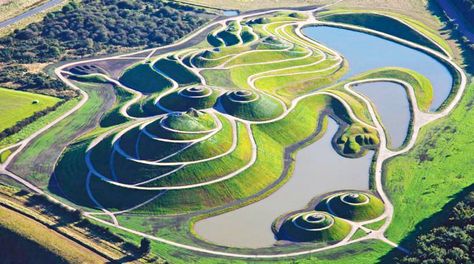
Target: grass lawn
{"points": [[17, 105], [432, 173], [27, 241], [41, 147]]}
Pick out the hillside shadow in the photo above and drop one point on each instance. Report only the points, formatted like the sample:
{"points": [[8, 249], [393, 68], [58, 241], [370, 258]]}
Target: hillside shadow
{"points": [[426, 226], [467, 49]]}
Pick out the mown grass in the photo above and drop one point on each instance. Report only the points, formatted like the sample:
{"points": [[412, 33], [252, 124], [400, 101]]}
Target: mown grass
{"points": [[375, 225], [38, 124], [4, 155], [264, 108], [431, 174], [260, 56], [338, 231], [113, 116], [27, 241], [57, 133], [361, 212], [176, 71], [18, 105]]}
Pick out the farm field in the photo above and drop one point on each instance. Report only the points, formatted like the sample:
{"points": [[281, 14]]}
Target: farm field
{"points": [[21, 236], [18, 105], [308, 135]]}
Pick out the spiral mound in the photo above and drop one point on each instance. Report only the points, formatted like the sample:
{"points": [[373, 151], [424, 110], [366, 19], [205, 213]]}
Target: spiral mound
{"points": [[189, 125], [250, 105], [197, 97], [313, 226], [243, 96], [355, 206]]}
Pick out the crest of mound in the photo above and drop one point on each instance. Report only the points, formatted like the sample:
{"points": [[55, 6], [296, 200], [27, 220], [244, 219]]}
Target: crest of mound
{"points": [[250, 105], [190, 121], [312, 226], [355, 206], [196, 97]]}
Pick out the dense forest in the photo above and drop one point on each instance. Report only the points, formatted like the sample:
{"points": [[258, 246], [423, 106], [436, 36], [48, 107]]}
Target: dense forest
{"points": [[467, 8], [91, 27], [452, 242]]}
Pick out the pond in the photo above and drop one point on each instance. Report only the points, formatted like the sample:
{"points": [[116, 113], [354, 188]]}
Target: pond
{"points": [[366, 52], [319, 169], [392, 105], [230, 13]]}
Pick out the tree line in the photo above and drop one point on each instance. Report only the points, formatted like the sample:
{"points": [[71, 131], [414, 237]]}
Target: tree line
{"points": [[467, 8], [91, 27], [451, 242]]}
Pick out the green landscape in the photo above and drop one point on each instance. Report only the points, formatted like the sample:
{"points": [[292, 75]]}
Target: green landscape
{"points": [[211, 132]]}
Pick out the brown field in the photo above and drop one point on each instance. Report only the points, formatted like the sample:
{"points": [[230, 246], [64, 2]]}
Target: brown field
{"points": [[27, 240]]}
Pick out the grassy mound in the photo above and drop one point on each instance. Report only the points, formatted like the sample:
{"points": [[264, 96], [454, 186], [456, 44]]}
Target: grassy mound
{"points": [[246, 35], [143, 78], [228, 37], [313, 226], [355, 206], [176, 71], [355, 139], [249, 105], [192, 120], [197, 97], [214, 41]]}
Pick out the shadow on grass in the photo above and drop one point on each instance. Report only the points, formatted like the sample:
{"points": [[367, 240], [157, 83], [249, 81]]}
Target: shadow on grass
{"points": [[467, 49], [427, 225]]}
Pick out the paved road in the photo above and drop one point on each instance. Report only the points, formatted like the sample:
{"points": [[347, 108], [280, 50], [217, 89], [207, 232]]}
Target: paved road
{"points": [[30, 13], [458, 19]]}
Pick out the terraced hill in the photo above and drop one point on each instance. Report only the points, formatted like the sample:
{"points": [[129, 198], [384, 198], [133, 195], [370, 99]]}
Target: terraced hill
{"points": [[204, 129]]}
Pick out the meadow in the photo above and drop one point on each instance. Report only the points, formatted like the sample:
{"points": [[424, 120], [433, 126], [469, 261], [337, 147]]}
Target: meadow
{"points": [[18, 105]]}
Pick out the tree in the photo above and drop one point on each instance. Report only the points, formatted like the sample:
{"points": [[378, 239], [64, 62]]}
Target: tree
{"points": [[145, 246]]}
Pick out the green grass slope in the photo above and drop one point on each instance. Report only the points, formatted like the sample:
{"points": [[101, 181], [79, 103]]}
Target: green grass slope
{"points": [[143, 78], [17, 105], [355, 206]]}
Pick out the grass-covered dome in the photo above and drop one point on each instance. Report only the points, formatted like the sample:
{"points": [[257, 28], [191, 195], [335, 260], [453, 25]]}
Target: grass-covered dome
{"points": [[313, 226], [197, 97], [250, 105], [355, 206], [188, 125]]}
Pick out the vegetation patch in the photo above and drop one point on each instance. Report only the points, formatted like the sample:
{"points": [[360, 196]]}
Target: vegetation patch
{"points": [[143, 78], [173, 69], [355, 206], [197, 97], [313, 226], [250, 105]]}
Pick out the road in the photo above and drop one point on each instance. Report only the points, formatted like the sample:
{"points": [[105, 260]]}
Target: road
{"points": [[32, 12]]}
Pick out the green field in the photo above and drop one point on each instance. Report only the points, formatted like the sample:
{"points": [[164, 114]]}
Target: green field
{"points": [[17, 105]]}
